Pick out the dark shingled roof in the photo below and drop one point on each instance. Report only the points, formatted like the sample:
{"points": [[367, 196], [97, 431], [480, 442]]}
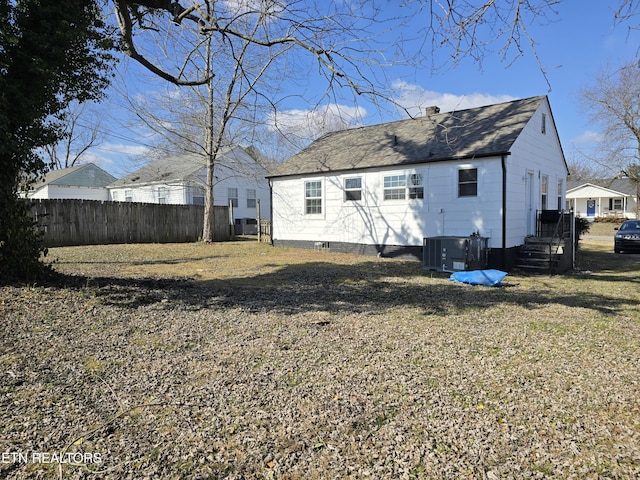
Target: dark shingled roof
{"points": [[620, 185], [476, 132], [165, 170]]}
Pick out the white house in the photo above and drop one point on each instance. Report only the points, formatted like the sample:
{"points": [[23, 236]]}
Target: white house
{"points": [[604, 198], [384, 188], [86, 181], [239, 180]]}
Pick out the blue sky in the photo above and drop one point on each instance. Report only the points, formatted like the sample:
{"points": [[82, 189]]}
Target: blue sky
{"points": [[577, 42]]}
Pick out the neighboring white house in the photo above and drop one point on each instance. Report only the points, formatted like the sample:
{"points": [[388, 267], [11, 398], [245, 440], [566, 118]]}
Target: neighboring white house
{"points": [[239, 180], [86, 181], [604, 198], [384, 188]]}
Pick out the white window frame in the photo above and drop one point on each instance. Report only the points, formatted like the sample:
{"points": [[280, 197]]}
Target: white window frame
{"points": [[251, 198], [394, 187], [544, 192], [352, 189], [163, 195], [313, 197], [560, 188], [128, 196], [232, 196]]}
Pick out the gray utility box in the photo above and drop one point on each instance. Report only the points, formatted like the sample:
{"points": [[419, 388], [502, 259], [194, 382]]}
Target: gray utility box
{"points": [[453, 254]]}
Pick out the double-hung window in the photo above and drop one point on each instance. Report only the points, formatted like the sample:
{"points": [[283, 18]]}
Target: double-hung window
{"points": [[395, 187], [560, 195], [352, 189], [468, 182], [544, 189], [313, 197], [251, 198], [162, 195], [416, 185], [232, 194]]}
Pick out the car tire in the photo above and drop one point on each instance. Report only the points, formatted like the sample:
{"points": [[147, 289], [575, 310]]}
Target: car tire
{"points": [[617, 250]]}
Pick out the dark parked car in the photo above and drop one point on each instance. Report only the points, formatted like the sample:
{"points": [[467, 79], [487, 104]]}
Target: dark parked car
{"points": [[627, 237]]}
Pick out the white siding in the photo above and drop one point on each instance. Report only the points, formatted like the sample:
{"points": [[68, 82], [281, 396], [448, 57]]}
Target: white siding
{"points": [[243, 179], [538, 153], [374, 220], [71, 192]]}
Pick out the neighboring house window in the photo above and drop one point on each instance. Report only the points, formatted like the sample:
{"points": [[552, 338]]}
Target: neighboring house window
{"points": [[543, 128], [615, 204], [544, 189], [197, 196], [114, 196], [128, 196], [233, 197], [468, 182], [395, 187], [251, 198], [352, 189], [162, 195], [416, 186], [313, 197]]}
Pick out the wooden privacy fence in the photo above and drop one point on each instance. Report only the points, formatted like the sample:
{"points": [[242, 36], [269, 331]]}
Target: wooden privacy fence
{"points": [[93, 222]]}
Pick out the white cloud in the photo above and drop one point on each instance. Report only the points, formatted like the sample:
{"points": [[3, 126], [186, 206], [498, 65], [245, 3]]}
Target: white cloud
{"points": [[311, 124], [415, 99], [588, 136]]}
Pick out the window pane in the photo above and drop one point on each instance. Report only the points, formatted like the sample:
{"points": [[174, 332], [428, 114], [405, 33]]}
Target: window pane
{"points": [[395, 181], [468, 175], [313, 205], [394, 194], [468, 190], [416, 192], [353, 195], [415, 180], [313, 189], [351, 183]]}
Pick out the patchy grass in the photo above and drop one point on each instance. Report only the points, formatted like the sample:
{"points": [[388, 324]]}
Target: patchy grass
{"points": [[238, 360]]}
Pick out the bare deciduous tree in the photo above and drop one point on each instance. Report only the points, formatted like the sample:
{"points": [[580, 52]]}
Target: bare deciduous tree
{"points": [[613, 103], [81, 132]]}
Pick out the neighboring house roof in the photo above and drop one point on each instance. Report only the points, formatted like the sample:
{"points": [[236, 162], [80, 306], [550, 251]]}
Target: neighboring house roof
{"points": [[615, 186], [180, 168], [85, 175], [476, 132]]}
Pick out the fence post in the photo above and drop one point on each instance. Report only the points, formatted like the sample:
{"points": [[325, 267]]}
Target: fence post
{"points": [[231, 222], [259, 221]]}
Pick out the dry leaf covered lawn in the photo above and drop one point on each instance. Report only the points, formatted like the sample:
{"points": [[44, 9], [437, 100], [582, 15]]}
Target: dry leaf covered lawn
{"points": [[238, 360]]}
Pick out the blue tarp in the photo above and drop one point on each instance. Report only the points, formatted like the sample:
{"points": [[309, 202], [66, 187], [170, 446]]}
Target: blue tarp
{"points": [[489, 278]]}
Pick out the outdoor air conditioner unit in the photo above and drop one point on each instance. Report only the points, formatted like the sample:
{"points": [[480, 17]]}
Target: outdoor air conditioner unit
{"points": [[454, 254]]}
